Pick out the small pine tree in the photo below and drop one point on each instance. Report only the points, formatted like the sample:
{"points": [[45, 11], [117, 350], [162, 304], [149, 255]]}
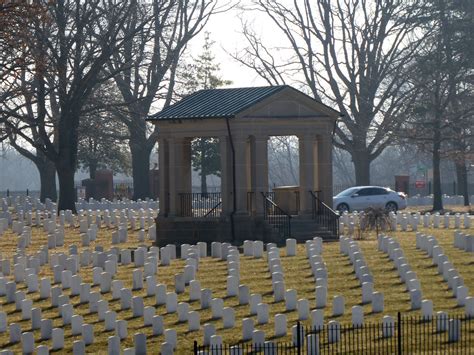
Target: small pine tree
{"points": [[201, 75]]}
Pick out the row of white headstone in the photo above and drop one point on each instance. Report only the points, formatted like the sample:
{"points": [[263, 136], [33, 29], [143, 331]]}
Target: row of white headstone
{"points": [[414, 220], [463, 241], [137, 218], [28, 203], [451, 276], [351, 248], [65, 269], [392, 248]]}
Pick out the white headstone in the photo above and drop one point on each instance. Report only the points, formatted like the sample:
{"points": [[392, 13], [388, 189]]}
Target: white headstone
{"points": [[183, 310], [113, 345], [121, 329], [280, 324], [415, 299], [321, 296], [157, 325], [338, 305], [303, 309], [217, 306], [58, 339], [88, 334], [27, 342], [76, 324], [357, 316], [377, 302], [232, 286], [388, 326], [262, 313], [193, 321], [171, 337], [244, 294], [137, 306], [290, 300], [247, 328], [441, 321], [228, 317], [334, 331], [171, 302], [139, 340]]}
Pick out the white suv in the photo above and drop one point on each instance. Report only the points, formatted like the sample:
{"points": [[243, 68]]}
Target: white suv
{"points": [[359, 198]]}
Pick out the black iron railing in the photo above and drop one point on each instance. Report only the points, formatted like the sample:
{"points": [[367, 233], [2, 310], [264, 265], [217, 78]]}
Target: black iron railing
{"points": [[324, 215], [274, 215], [438, 334], [200, 204]]}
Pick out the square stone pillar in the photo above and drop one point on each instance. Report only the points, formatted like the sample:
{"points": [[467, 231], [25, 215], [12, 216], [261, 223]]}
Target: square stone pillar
{"points": [[308, 181], [241, 185], [183, 170], [163, 161], [226, 174], [325, 168], [172, 189], [260, 175]]}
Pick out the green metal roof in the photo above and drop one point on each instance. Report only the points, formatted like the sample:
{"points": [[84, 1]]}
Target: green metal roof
{"points": [[216, 103]]}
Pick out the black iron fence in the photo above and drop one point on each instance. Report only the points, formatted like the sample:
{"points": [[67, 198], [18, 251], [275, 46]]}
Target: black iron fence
{"points": [[438, 334], [324, 215], [274, 215], [123, 190], [21, 193], [200, 204]]}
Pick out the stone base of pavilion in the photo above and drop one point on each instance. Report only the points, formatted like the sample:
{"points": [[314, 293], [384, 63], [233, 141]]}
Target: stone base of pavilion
{"points": [[190, 230]]}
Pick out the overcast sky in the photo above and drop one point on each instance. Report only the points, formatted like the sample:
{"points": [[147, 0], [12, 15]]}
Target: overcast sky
{"points": [[225, 29]]}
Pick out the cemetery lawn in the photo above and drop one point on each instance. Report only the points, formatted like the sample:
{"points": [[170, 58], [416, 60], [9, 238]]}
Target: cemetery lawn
{"points": [[212, 274]]}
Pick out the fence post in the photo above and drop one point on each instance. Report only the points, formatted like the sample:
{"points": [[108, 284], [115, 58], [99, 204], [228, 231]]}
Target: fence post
{"points": [[195, 347], [8, 192], [298, 337], [399, 333]]}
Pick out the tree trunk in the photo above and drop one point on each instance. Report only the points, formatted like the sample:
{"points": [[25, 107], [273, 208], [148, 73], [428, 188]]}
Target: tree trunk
{"points": [[67, 191], [362, 168], [140, 152], [437, 194], [92, 169], [47, 172], [461, 175], [203, 183]]}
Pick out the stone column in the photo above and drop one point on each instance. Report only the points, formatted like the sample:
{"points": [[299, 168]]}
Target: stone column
{"points": [[172, 177], [241, 186], [260, 163], [163, 161], [307, 155], [325, 168], [226, 174], [183, 170]]}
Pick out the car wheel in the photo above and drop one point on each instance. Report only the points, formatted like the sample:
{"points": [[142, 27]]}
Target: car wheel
{"points": [[343, 207], [391, 207]]}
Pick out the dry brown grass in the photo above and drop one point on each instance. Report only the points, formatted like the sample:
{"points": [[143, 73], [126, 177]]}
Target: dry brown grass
{"points": [[212, 274]]}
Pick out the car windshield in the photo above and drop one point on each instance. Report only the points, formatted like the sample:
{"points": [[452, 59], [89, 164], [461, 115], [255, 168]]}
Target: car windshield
{"points": [[348, 192]]}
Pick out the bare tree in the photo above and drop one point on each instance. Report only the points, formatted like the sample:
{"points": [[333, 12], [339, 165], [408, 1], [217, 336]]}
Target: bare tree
{"points": [[283, 160], [69, 52], [441, 118], [349, 53], [102, 136], [15, 16], [153, 55]]}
